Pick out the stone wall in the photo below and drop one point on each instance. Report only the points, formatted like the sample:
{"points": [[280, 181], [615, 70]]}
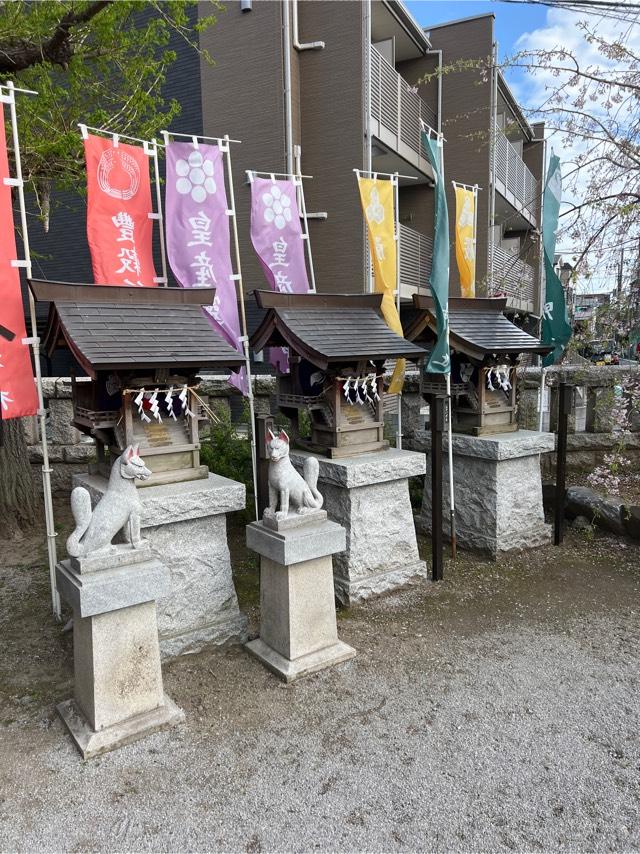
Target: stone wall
{"points": [[71, 451], [589, 421]]}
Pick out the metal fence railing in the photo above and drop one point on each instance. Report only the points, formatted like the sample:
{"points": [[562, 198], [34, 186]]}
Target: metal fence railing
{"points": [[416, 252], [512, 276], [514, 174], [396, 106]]}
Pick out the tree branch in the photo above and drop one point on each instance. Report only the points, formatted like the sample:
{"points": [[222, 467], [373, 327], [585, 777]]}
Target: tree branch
{"points": [[58, 49]]}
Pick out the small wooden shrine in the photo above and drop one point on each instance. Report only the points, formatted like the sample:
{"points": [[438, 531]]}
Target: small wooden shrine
{"points": [[485, 346], [141, 350], [337, 348]]}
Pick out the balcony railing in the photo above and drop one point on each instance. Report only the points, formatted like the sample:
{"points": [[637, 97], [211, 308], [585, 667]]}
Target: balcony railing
{"points": [[515, 177], [396, 107], [513, 278], [416, 253]]}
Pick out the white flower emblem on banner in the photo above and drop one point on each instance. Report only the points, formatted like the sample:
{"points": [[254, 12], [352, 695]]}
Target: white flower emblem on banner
{"points": [[195, 177], [277, 207], [375, 211], [110, 159], [5, 400]]}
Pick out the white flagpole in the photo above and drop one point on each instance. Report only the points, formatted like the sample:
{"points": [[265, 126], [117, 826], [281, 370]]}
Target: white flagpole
{"points": [[452, 508], [34, 341], [303, 212], [475, 234], [152, 151], [226, 149], [396, 201]]}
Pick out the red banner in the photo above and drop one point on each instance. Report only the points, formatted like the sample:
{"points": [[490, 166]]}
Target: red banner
{"points": [[119, 230], [18, 394]]}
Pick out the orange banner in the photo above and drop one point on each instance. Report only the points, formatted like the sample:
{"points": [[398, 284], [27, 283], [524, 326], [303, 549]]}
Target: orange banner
{"points": [[119, 230], [18, 396]]}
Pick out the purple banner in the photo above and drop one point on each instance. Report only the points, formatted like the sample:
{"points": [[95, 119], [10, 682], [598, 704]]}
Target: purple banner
{"points": [[198, 239], [276, 235]]}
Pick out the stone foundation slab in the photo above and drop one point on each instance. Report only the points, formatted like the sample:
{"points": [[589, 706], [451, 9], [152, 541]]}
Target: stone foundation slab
{"points": [[369, 495]]}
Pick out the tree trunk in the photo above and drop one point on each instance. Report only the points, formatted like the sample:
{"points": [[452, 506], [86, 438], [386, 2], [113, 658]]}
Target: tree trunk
{"points": [[18, 500]]}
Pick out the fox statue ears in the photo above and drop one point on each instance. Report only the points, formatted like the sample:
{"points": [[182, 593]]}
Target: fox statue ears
{"points": [[282, 435], [131, 452]]}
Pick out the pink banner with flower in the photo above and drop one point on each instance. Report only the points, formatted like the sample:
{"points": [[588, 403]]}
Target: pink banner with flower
{"points": [[276, 234], [198, 238]]}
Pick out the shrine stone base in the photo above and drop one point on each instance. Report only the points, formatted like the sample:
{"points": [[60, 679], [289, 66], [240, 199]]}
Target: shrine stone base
{"points": [[369, 495], [186, 525], [497, 490], [118, 692], [298, 632]]}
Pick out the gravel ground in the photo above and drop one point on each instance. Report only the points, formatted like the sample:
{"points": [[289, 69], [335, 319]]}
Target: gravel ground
{"points": [[496, 710]]}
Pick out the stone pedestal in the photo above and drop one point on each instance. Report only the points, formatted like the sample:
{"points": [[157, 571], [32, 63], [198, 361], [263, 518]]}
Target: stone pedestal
{"points": [[186, 525], [498, 491], [298, 633], [118, 694], [369, 495]]}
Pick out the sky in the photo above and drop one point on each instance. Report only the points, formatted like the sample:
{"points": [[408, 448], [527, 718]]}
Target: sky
{"points": [[536, 26], [511, 20]]}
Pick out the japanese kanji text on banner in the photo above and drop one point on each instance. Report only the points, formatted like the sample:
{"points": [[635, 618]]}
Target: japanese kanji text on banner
{"points": [[377, 197], [119, 230], [198, 238], [18, 395], [276, 234], [466, 239]]}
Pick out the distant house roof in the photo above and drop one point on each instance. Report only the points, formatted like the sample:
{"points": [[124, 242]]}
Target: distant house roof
{"points": [[477, 327], [327, 329], [149, 328]]}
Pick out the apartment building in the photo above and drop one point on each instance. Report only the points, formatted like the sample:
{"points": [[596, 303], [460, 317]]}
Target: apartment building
{"points": [[336, 81], [490, 143]]}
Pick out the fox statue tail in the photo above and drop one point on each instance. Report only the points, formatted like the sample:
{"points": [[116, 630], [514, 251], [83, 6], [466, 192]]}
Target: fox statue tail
{"points": [[81, 509], [310, 471]]}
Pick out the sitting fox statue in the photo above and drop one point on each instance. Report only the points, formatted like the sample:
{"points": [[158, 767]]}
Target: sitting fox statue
{"points": [[287, 487], [119, 508]]}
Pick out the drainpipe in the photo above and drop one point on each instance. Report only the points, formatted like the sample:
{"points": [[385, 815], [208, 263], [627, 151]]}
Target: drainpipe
{"points": [[439, 55], [296, 39], [493, 109], [288, 107], [366, 76]]}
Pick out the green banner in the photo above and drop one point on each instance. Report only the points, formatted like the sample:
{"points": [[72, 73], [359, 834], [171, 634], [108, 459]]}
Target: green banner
{"points": [[556, 328], [439, 362]]}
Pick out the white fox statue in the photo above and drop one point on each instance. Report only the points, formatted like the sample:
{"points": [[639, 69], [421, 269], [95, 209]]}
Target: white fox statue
{"points": [[119, 508], [287, 487]]}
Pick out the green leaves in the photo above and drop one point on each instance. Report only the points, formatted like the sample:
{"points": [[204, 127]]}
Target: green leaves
{"points": [[108, 73]]}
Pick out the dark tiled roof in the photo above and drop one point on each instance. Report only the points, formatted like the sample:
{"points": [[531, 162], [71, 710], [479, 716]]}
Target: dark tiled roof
{"points": [[324, 335], [492, 332], [477, 327], [106, 335]]}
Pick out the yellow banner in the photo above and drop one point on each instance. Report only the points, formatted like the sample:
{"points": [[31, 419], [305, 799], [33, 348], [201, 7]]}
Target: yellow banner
{"points": [[465, 240], [377, 203]]}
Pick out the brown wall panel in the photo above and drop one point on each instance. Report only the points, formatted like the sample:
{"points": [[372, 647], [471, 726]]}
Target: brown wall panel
{"points": [[242, 95], [466, 101], [332, 123]]}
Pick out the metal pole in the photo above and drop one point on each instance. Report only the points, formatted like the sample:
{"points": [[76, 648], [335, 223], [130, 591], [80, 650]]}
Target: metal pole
{"points": [[243, 320], [288, 106], [305, 236], [475, 235], [452, 503], [35, 344], [158, 215], [564, 406], [543, 375], [437, 423], [396, 201]]}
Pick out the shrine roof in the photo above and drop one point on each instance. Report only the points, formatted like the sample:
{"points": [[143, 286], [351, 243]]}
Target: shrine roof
{"points": [[131, 335], [329, 328], [477, 327]]}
